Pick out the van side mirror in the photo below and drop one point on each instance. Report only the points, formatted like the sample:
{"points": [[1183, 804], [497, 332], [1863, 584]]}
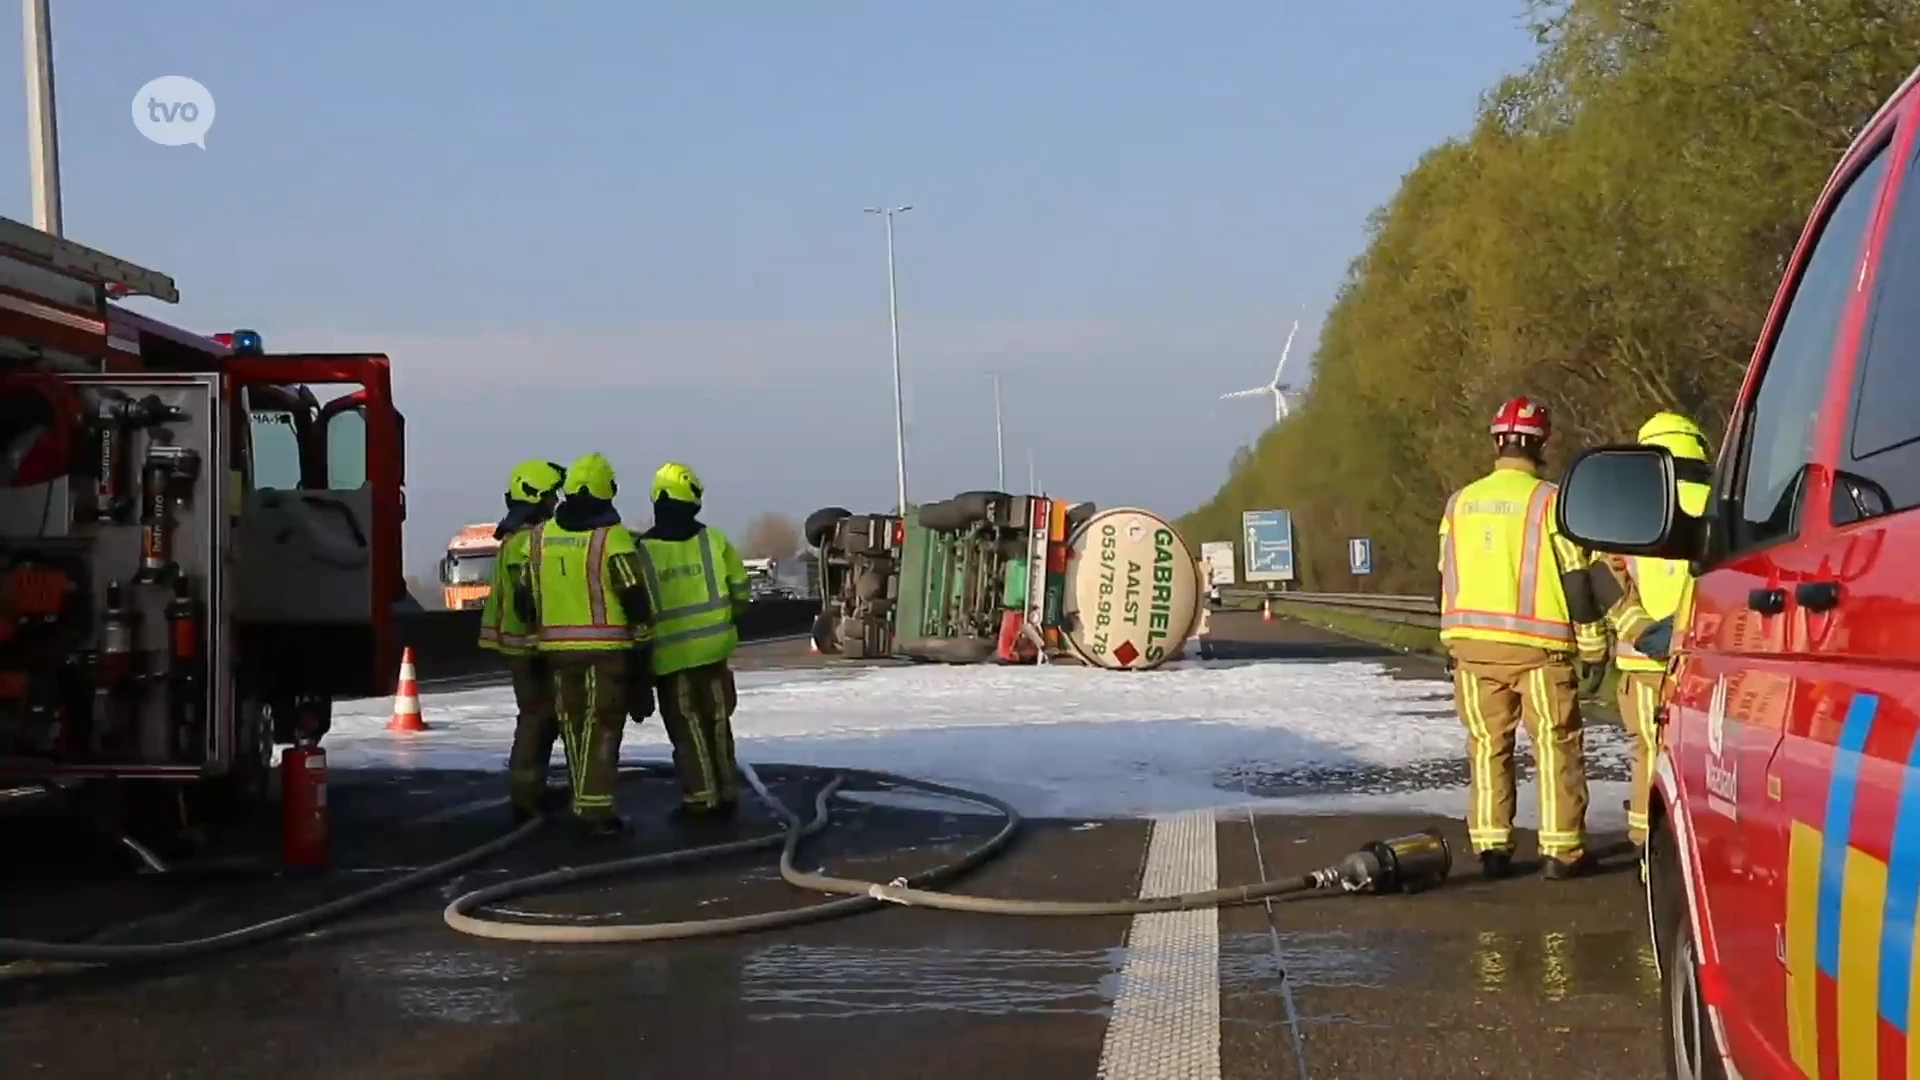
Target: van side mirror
{"points": [[1623, 500]]}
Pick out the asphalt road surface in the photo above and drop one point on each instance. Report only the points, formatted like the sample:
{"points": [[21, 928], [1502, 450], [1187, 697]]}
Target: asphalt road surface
{"points": [[1510, 979]]}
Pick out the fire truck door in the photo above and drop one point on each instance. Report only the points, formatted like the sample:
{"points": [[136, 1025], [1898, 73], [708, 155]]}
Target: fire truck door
{"points": [[317, 548]]}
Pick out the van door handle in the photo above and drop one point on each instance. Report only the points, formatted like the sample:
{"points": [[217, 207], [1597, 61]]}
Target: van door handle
{"points": [[1768, 601], [1818, 595]]}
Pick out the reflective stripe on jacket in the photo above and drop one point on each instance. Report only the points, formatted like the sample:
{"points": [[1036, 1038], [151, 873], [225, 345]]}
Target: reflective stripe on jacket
{"points": [[501, 628], [576, 588], [1658, 583], [1500, 565], [694, 585]]}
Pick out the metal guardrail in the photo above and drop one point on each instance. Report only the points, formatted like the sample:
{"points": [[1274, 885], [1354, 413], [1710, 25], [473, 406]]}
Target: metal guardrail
{"points": [[1421, 611]]}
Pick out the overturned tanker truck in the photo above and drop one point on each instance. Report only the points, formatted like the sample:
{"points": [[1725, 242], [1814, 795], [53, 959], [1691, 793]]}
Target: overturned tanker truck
{"points": [[990, 577]]}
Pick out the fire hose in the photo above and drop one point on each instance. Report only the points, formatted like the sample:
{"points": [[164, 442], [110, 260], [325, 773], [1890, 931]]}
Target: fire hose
{"points": [[1405, 864]]}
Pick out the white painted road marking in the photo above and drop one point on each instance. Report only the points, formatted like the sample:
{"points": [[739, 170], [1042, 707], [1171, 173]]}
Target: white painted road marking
{"points": [[1166, 1018]]}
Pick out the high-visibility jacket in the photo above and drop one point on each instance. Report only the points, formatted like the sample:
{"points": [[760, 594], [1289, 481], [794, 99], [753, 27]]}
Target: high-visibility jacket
{"points": [[694, 585], [1661, 585], [1501, 558], [577, 580], [502, 630]]}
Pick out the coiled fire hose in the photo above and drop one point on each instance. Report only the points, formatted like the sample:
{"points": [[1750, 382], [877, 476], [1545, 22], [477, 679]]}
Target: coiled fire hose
{"points": [[1406, 864]]}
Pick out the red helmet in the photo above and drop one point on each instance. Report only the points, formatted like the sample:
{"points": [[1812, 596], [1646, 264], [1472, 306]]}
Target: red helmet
{"points": [[1523, 416]]}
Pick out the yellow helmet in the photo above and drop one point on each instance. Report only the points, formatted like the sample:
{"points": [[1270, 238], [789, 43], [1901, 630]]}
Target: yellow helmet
{"points": [[532, 481], [1680, 436], [677, 482], [591, 474]]}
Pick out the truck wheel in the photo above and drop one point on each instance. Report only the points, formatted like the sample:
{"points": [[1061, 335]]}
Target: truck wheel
{"points": [[247, 788], [949, 515], [1692, 1053], [819, 524], [825, 633]]}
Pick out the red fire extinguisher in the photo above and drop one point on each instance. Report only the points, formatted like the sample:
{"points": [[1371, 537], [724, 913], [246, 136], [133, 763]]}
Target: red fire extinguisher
{"points": [[303, 803]]}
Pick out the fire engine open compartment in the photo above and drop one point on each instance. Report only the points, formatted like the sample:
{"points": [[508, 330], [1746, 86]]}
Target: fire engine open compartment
{"points": [[108, 656], [198, 552]]}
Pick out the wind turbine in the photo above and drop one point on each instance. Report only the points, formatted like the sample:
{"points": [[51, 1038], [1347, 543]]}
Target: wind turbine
{"points": [[1278, 389]]}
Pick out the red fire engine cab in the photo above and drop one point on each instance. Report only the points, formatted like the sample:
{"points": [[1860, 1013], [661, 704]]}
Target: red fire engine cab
{"points": [[199, 541], [1784, 861]]}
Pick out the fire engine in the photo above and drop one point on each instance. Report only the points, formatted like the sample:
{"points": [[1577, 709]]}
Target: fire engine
{"points": [[199, 540], [1784, 858]]}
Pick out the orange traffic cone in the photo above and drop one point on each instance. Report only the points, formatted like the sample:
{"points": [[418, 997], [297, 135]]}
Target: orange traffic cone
{"points": [[406, 697], [1266, 611]]}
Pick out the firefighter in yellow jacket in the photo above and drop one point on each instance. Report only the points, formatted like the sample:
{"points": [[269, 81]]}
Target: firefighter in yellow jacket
{"points": [[1648, 595], [533, 489], [698, 587], [1524, 638], [581, 588]]}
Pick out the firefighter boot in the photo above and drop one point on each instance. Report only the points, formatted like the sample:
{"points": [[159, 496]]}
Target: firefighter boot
{"points": [[1496, 864], [1567, 869], [605, 827]]}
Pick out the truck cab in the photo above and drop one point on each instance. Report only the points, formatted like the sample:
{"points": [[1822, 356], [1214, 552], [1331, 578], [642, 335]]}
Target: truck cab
{"points": [[1784, 857], [199, 540]]}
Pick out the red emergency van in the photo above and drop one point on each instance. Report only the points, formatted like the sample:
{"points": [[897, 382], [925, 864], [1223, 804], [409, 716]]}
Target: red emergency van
{"points": [[1784, 863]]}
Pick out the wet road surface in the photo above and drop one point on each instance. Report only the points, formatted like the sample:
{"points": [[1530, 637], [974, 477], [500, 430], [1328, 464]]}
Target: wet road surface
{"points": [[1476, 979]]}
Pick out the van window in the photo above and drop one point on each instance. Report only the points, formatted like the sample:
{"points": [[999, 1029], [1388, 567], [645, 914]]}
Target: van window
{"points": [[1778, 431], [1882, 448]]}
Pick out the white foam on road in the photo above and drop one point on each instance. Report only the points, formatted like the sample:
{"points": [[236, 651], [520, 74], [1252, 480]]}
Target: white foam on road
{"points": [[1056, 741]]}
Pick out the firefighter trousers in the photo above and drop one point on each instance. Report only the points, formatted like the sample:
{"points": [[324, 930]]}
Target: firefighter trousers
{"points": [[1639, 695], [536, 727], [696, 705], [590, 689], [1494, 701]]}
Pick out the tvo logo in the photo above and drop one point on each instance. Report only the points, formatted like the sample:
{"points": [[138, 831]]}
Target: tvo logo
{"points": [[174, 110]]}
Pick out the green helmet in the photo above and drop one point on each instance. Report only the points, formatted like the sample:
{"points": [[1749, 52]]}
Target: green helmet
{"points": [[532, 481], [591, 474], [1680, 436], [677, 482]]}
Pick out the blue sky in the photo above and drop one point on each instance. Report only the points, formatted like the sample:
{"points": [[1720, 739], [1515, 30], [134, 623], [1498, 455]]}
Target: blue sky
{"points": [[636, 228]]}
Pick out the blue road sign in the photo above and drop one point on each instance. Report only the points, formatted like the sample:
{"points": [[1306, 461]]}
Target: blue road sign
{"points": [[1268, 549], [1360, 555]]}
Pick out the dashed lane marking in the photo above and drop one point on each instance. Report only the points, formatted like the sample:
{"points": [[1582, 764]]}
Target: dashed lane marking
{"points": [[1166, 1018]]}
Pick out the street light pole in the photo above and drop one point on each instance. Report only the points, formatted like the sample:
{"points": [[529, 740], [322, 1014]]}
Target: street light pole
{"points": [[999, 434], [43, 136], [893, 315]]}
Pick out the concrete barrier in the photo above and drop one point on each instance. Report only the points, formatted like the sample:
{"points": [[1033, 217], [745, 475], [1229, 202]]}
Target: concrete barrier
{"points": [[446, 643]]}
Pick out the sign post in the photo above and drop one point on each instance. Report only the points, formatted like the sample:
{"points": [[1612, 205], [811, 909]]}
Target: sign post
{"points": [[1360, 556], [1268, 549]]}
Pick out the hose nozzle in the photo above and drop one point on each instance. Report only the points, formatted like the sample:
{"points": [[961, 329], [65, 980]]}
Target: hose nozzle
{"points": [[1404, 864]]}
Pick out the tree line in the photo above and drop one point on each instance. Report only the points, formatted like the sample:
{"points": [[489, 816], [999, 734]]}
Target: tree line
{"points": [[1608, 237]]}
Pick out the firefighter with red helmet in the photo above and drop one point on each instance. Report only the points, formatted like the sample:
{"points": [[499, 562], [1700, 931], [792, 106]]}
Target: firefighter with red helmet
{"points": [[1524, 638]]}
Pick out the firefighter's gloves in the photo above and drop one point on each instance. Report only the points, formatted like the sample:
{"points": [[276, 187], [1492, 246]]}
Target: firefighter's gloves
{"points": [[1450, 665], [1589, 676], [639, 702], [1657, 640]]}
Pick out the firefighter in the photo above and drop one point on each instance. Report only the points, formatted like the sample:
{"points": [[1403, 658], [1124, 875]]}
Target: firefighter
{"points": [[581, 587], [1649, 595], [1519, 623], [532, 490], [698, 586]]}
